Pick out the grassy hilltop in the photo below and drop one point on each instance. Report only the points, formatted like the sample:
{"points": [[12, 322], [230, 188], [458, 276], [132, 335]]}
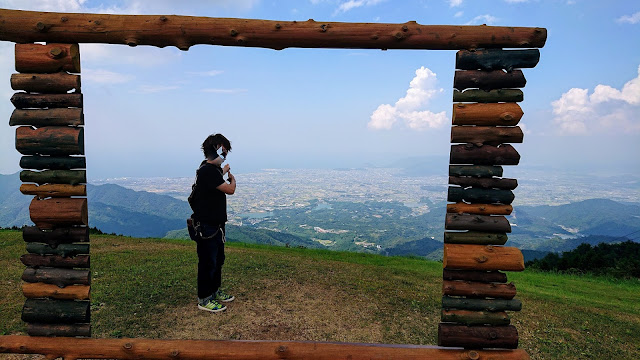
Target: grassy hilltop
{"points": [[146, 288]]}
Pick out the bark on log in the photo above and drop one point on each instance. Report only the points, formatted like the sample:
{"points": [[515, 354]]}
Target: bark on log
{"points": [[128, 349], [475, 170], [481, 304], [80, 261], [481, 257], [57, 236], [480, 196], [488, 80], [484, 155], [27, 101], [486, 183], [474, 275], [50, 140], [58, 212], [57, 277], [42, 290], [64, 250], [53, 162], [55, 311], [478, 289], [71, 177], [53, 190], [475, 237], [493, 135], [58, 83], [49, 58], [477, 223], [502, 114], [47, 117], [495, 59], [478, 337], [471, 318], [65, 330], [492, 96], [185, 31]]}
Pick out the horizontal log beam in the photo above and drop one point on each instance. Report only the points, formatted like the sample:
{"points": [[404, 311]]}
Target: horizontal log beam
{"points": [[474, 275], [57, 277], [71, 177], [65, 330], [50, 140], [64, 250], [502, 114], [158, 349], [185, 31], [58, 212], [475, 170], [480, 196], [477, 223], [482, 257], [27, 101], [43, 290], [34, 260], [494, 59], [475, 237], [486, 183], [49, 58], [491, 96], [57, 83], [493, 135], [478, 336], [55, 311], [449, 303], [467, 317], [478, 289], [53, 190], [484, 155], [57, 236], [53, 162], [47, 117], [488, 80]]}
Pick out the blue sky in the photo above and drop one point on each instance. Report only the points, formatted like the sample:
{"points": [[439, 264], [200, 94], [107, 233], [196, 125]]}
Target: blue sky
{"points": [[147, 110]]}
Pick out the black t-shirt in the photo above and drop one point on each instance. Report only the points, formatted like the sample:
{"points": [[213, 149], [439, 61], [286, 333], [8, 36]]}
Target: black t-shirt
{"points": [[212, 207]]}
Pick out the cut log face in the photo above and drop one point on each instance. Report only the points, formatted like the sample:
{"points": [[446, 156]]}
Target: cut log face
{"points": [[72, 177], [502, 114], [481, 257], [478, 337], [494, 59], [467, 317], [55, 311], [65, 330], [64, 250], [485, 183], [53, 162], [58, 277], [480, 196], [477, 223], [47, 117], [58, 212], [53, 190], [450, 303], [57, 236], [34, 260], [475, 237], [488, 80], [49, 58], [484, 155], [478, 289], [39, 101], [50, 140], [475, 170], [42, 290], [58, 83], [491, 96], [474, 275], [493, 135]]}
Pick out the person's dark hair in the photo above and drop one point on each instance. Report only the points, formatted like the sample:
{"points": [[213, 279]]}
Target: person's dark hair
{"points": [[212, 142]]}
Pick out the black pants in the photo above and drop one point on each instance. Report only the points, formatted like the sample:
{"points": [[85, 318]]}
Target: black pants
{"points": [[210, 260]]}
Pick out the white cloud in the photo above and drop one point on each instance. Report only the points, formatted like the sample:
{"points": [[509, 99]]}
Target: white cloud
{"points": [[352, 4], [629, 19], [455, 3], [516, 1], [483, 19], [224, 91], [149, 89], [103, 76], [577, 112], [422, 88], [459, 14], [205, 73]]}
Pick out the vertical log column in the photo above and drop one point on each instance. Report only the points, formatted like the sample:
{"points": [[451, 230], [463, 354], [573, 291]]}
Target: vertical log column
{"points": [[476, 296], [50, 136]]}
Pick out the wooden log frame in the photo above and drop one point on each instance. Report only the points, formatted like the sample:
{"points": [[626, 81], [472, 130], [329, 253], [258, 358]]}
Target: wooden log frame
{"points": [[478, 336], [474, 275], [53, 190], [53, 162], [27, 101], [43, 290], [129, 349], [491, 96], [477, 223], [502, 114], [58, 212], [64, 250], [468, 317], [56, 83], [485, 183], [49, 58], [482, 257], [478, 289], [71, 177], [492, 135], [58, 277], [478, 195], [478, 209], [479, 171], [50, 140], [68, 330], [47, 117], [475, 237], [461, 303], [55, 311], [494, 59], [57, 236], [488, 80], [34, 260], [504, 154]]}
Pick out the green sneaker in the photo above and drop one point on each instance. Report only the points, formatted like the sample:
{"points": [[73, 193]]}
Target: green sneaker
{"points": [[212, 306], [223, 296]]}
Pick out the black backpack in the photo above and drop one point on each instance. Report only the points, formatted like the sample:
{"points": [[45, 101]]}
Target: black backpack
{"points": [[195, 199]]}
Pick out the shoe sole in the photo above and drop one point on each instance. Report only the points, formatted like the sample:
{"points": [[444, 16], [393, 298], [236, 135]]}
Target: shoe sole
{"points": [[211, 310], [228, 300]]}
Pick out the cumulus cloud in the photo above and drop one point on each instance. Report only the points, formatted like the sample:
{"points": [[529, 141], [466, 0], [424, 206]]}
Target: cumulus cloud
{"points": [[407, 109], [577, 112], [455, 3], [352, 4], [483, 19], [629, 19]]}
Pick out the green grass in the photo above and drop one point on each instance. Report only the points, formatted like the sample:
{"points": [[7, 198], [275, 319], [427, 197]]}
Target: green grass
{"points": [[146, 288]]}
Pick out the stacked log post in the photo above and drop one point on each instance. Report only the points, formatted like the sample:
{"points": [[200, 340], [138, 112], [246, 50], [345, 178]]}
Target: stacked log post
{"points": [[486, 113], [50, 136]]}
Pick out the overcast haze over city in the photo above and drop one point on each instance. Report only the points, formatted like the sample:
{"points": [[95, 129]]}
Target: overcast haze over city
{"points": [[147, 109]]}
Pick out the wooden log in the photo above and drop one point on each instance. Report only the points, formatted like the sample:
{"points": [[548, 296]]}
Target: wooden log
{"points": [[64, 250], [491, 96], [495, 59], [71, 177], [467, 317], [57, 83], [477, 223], [80, 261], [475, 170], [475, 237], [49, 58], [478, 290], [478, 337], [27, 101], [53, 162], [493, 135], [58, 212], [474, 275], [484, 155], [57, 277], [47, 117], [57, 236], [50, 140], [480, 196], [42, 290], [53, 190], [129, 349], [479, 209], [486, 183], [449, 302], [488, 80], [482, 257], [65, 330], [502, 114], [55, 311]]}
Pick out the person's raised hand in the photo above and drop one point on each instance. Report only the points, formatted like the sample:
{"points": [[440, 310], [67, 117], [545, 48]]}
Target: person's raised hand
{"points": [[226, 169]]}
